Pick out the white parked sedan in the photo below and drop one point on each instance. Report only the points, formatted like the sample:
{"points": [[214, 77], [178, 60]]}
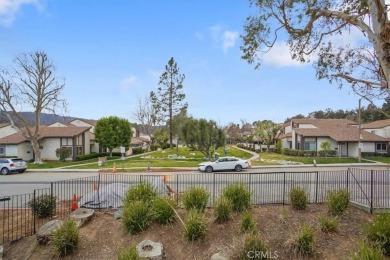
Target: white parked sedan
{"points": [[224, 163]]}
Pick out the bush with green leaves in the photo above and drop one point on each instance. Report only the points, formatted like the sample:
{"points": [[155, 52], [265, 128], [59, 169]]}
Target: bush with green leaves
{"points": [[222, 209], [378, 232], [129, 254], [195, 225], [163, 210], [143, 191], [304, 242], [247, 223], [63, 153], [298, 198], [195, 198], [328, 223], [252, 247], [136, 216], [239, 195], [338, 201], [65, 239], [43, 205], [367, 251]]}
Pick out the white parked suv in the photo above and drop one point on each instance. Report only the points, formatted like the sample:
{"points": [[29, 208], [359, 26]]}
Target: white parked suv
{"points": [[8, 165], [223, 164]]}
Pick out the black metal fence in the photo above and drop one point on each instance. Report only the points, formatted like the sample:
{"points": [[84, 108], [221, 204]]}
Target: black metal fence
{"points": [[368, 188]]}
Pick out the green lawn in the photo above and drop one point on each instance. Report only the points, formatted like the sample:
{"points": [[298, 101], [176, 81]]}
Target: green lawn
{"points": [[379, 159], [309, 160], [156, 159]]}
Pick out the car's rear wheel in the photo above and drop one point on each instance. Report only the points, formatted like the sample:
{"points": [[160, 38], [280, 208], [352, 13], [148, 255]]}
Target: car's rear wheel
{"points": [[238, 168], [209, 169], [4, 171]]}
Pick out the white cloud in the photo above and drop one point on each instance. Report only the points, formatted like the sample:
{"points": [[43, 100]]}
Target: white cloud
{"points": [[222, 37], [10, 8], [280, 56], [229, 40], [128, 82]]}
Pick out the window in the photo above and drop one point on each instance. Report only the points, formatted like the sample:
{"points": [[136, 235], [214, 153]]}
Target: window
{"points": [[79, 150], [381, 147], [2, 150], [310, 146]]}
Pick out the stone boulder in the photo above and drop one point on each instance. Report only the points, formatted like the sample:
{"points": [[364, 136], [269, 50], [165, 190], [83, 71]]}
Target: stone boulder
{"points": [[218, 256], [43, 234], [81, 216], [150, 250]]}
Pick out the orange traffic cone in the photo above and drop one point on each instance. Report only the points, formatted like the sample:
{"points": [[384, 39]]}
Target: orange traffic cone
{"points": [[114, 168], [74, 203], [95, 186], [164, 178]]}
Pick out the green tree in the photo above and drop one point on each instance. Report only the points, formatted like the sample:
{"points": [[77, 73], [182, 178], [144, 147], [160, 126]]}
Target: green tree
{"points": [[168, 101], [111, 132], [31, 84], [204, 136], [63, 153], [161, 136], [268, 132], [311, 27], [326, 147], [178, 122]]}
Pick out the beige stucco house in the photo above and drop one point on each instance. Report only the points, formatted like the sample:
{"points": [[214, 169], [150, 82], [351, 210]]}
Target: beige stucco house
{"points": [[343, 135]]}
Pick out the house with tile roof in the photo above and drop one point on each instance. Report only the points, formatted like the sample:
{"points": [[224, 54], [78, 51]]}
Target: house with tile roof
{"points": [[343, 135], [75, 138]]}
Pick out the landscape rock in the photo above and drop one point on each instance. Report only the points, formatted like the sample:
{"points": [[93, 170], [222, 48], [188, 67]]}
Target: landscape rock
{"points": [[43, 234], [82, 216], [150, 250], [218, 256], [118, 214]]}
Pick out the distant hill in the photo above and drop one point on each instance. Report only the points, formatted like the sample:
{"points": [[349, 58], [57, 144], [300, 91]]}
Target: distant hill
{"points": [[46, 119]]}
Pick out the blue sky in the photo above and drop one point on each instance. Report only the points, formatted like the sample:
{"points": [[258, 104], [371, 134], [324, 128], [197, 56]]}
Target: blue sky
{"points": [[112, 52]]}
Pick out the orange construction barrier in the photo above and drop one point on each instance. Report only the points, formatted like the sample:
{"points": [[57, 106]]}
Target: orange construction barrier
{"points": [[74, 203]]}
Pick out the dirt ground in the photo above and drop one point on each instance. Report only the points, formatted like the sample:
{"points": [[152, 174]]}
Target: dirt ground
{"points": [[104, 237]]}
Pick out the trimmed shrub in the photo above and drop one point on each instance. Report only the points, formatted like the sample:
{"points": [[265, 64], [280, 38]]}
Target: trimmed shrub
{"points": [[247, 224], [138, 150], [367, 252], [195, 198], [163, 210], [338, 201], [143, 191], [136, 216], [195, 225], [378, 232], [43, 206], [329, 224], [222, 209], [239, 195], [129, 254], [83, 157], [63, 153], [298, 198], [65, 239], [305, 240], [253, 248]]}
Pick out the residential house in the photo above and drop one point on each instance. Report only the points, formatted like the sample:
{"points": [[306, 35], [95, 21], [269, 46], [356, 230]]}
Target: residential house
{"points": [[342, 134], [51, 138], [94, 146]]}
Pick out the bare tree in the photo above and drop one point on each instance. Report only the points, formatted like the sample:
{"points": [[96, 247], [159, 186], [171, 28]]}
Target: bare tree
{"points": [[146, 115], [311, 27], [30, 85]]}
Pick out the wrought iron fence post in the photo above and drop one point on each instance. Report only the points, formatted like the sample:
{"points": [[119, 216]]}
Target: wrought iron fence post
{"points": [[348, 180], [33, 213], [51, 199], [213, 188], [177, 189], [372, 191], [316, 201], [98, 187], [284, 187]]}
